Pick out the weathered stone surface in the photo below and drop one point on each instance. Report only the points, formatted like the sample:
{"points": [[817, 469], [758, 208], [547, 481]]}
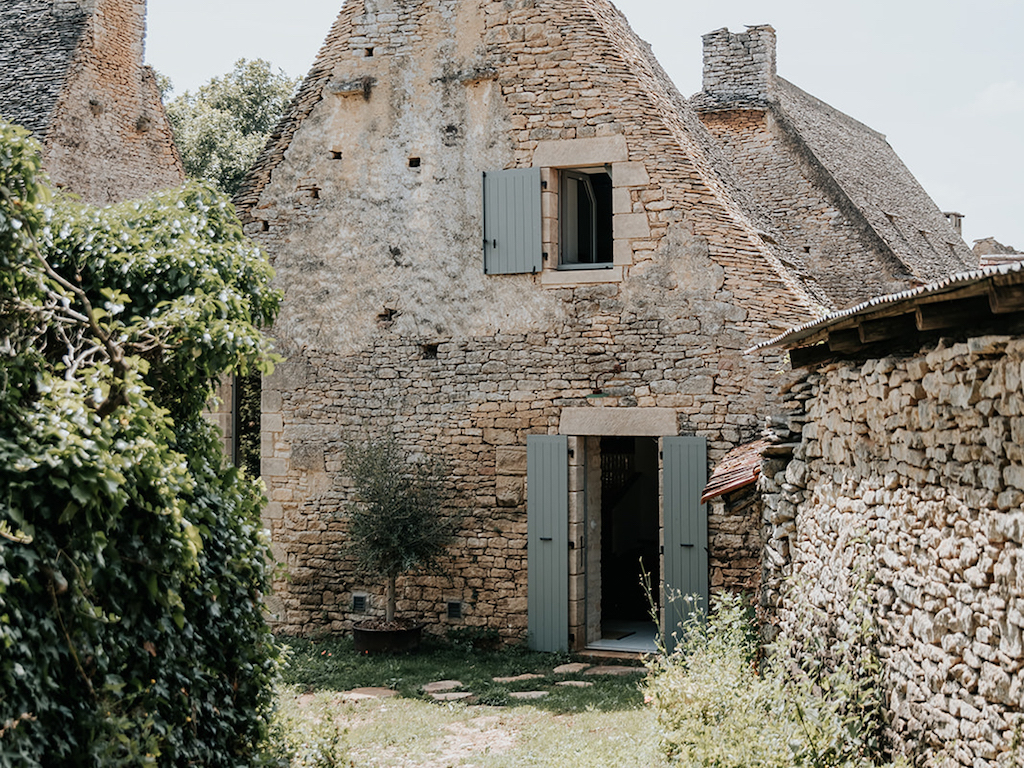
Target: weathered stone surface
{"points": [[519, 678], [575, 683], [573, 668], [919, 507], [366, 694], [464, 696], [615, 671], [73, 73], [528, 695], [441, 686]]}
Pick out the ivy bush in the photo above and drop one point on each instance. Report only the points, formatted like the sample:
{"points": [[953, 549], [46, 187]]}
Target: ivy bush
{"points": [[806, 703], [132, 561]]}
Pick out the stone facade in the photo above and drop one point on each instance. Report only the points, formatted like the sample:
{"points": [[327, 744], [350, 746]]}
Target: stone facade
{"points": [[908, 470], [72, 72], [832, 188], [369, 201]]}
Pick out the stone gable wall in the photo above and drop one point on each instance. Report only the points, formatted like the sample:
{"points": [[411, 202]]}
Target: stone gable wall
{"points": [[108, 138], [389, 323], [910, 471]]}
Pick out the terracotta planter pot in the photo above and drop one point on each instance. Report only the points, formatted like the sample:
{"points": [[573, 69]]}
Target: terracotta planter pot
{"points": [[372, 639]]}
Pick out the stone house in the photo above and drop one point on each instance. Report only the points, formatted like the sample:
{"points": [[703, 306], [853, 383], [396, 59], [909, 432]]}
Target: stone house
{"points": [[71, 71], [504, 236], [896, 484]]}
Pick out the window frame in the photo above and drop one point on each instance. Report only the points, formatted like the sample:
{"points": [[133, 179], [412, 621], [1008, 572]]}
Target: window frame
{"points": [[601, 217]]}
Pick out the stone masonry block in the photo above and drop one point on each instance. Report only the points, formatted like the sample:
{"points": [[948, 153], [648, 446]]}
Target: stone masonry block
{"points": [[630, 225], [630, 175], [510, 460], [509, 491]]}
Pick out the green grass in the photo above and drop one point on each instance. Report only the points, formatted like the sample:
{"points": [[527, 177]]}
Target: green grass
{"points": [[333, 665], [324, 732]]}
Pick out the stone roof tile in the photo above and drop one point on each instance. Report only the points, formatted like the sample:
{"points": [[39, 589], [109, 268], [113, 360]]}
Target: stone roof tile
{"points": [[38, 40]]}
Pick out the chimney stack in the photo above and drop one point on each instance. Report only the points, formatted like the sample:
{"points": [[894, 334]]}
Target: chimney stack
{"points": [[741, 66]]}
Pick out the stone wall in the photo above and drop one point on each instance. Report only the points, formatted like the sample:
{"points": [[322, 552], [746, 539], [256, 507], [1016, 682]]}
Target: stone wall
{"points": [[390, 324], [108, 138], [910, 471]]}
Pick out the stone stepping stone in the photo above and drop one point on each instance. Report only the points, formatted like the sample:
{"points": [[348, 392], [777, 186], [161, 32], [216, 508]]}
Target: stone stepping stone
{"points": [[518, 678], [441, 686], [575, 684], [571, 669], [365, 694], [528, 695], [616, 671], [452, 696]]}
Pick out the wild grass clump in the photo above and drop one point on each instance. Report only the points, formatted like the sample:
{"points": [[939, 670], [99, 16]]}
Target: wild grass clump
{"points": [[307, 737], [808, 703]]}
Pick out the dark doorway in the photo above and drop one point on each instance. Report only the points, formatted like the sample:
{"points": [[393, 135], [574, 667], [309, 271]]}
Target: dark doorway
{"points": [[630, 531]]}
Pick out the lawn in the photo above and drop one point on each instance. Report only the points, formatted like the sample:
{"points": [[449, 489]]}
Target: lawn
{"points": [[601, 724]]}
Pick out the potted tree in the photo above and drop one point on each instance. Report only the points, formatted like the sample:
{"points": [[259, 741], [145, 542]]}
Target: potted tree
{"points": [[396, 525]]}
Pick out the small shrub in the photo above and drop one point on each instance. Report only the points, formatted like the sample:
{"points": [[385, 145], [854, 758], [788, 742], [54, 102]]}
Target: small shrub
{"points": [[307, 737], [717, 707]]}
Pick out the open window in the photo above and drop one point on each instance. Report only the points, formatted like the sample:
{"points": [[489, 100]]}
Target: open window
{"points": [[585, 218]]}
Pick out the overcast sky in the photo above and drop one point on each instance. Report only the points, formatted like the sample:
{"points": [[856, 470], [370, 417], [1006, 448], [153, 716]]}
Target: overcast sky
{"points": [[942, 79]]}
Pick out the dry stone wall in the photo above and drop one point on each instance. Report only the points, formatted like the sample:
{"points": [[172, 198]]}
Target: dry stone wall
{"points": [[908, 475]]}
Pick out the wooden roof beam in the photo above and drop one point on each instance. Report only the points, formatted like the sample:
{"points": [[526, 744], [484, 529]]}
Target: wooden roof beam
{"points": [[888, 328], [938, 316], [1003, 299]]}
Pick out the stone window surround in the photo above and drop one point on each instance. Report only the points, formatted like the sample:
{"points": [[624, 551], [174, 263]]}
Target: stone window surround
{"points": [[607, 151]]}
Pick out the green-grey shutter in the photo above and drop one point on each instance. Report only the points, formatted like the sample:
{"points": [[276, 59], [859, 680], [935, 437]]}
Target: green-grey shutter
{"points": [[547, 528], [685, 467], [512, 235]]}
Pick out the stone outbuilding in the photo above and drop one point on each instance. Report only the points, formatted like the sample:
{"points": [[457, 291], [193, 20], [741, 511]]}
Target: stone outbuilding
{"points": [[504, 236], [71, 71], [895, 491], [855, 223]]}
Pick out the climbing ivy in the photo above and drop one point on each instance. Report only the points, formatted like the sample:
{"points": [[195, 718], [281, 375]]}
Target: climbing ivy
{"points": [[132, 561]]}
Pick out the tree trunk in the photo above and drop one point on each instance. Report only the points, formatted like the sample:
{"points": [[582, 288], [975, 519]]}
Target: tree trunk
{"points": [[389, 612]]}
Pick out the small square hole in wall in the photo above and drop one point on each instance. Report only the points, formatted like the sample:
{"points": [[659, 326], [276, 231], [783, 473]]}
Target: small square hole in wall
{"points": [[368, 52], [336, 154], [429, 351], [414, 162], [454, 610], [359, 603]]}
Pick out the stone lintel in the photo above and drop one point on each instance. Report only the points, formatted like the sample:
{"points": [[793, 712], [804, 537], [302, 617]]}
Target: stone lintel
{"points": [[623, 422], [578, 153]]}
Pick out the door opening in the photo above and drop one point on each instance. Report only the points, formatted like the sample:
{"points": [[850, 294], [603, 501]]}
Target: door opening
{"points": [[630, 537]]}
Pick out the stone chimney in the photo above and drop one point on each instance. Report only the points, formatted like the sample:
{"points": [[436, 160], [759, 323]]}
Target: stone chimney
{"points": [[740, 66]]}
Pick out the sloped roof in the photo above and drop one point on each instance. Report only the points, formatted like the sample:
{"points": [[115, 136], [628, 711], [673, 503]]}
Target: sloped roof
{"points": [[38, 41], [740, 468], [987, 300], [871, 173]]}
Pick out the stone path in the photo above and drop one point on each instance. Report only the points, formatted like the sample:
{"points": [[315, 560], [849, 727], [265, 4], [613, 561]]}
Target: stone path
{"points": [[453, 690]]}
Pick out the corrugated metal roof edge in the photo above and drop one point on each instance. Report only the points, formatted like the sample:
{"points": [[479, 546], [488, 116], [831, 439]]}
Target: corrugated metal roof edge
{"points": [[953, 282]]}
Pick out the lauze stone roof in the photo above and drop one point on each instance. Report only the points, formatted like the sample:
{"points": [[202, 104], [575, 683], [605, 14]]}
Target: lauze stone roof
{"points": [[38, 41]]}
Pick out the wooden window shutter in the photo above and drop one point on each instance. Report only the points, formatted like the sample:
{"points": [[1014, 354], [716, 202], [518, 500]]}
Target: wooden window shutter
{"points": [[547, 535], [512, 234], [685, 473]]}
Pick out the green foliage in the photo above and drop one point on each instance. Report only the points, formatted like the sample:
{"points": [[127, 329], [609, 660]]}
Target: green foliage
{"points": [[397, 521], [309, 736], [221, 129], [131, 558], [808, 704]]}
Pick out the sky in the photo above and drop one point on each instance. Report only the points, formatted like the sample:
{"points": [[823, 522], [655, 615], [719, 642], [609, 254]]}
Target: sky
{"points": [[942, 79]]}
